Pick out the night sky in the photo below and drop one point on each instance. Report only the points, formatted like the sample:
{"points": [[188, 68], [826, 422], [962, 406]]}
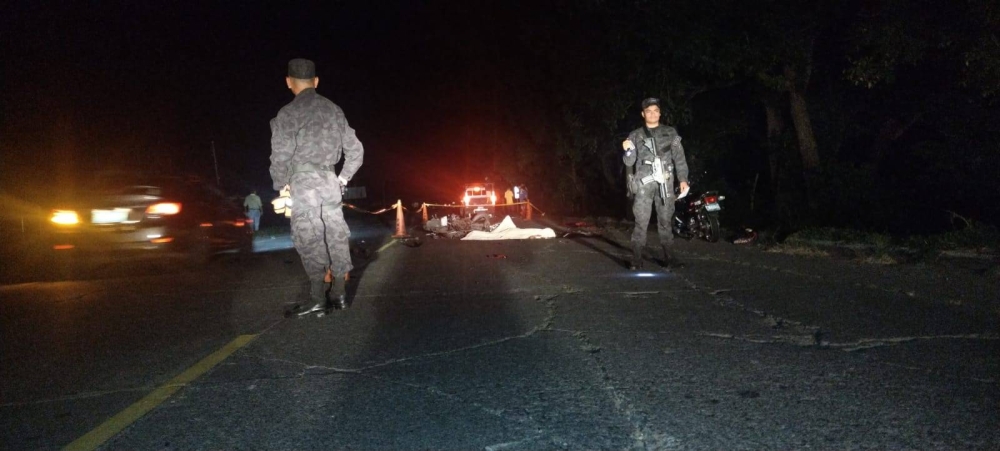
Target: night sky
{"points": [[149, 85]]}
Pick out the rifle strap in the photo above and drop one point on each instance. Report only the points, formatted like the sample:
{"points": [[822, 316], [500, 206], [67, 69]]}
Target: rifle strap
{"points": [[649, 134]]}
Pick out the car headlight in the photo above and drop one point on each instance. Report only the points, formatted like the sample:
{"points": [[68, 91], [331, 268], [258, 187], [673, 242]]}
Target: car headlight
{"points": [[64, 217]]}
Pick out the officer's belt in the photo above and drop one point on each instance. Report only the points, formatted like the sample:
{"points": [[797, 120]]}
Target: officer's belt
{"points": [[312, 167]]}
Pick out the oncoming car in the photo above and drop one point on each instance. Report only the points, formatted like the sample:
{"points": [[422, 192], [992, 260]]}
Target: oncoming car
{"points": [[154, 215], [478, 198]]}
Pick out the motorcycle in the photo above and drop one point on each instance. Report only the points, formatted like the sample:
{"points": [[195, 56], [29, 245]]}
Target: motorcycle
{"points": [[698, 216]]}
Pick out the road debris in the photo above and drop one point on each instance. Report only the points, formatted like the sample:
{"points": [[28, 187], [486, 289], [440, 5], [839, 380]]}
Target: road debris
{"points": [[748, 237], [506, 230], [456, 227]]}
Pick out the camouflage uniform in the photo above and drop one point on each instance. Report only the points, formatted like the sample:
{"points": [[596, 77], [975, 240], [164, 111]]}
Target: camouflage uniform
{"points": [[307, 139], [671, 153]]}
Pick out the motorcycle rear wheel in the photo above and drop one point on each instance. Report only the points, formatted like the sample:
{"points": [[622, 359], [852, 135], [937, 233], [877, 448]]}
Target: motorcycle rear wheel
{"points": [[712, 229]]}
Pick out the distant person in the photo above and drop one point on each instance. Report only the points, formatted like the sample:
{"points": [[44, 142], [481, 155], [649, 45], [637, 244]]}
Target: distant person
{"points": [[509, 198], [517, 198], [654, 146], [252, 207], [308, 137], [524, 198]]}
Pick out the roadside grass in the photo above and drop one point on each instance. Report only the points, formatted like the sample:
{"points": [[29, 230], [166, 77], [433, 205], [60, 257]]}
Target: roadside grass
{"points": [[977, 244], [976, 237], [797, 249], [974, 240], [882, 259]]}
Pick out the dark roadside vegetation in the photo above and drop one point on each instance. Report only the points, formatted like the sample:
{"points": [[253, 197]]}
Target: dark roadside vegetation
{"points": [[972, 249], [837, 121], [861, 129], [850, 122]]}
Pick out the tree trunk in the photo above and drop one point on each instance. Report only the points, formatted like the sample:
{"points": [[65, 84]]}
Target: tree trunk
{"points": [[891, 130], [800, 119], [775, 128], [578, 195]]}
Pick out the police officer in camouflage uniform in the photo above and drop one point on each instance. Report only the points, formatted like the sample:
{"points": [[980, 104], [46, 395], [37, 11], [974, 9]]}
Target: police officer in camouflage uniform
{"points": [[308, 137], [656, 153]]}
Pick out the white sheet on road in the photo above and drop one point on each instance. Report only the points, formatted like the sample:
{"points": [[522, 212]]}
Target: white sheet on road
{"points": [[506, 230]]}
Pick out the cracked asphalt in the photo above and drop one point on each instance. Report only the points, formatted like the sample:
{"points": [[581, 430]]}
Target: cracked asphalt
{"points": [[555, 346]]}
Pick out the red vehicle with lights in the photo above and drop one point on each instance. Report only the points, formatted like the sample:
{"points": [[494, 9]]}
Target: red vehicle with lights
{"points": [[479, 198]]}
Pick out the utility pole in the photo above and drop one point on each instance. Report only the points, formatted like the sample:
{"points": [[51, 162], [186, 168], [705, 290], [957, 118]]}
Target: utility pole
{"points": [[218, 181]]}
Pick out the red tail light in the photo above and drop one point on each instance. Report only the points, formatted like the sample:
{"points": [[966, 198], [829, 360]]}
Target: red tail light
{"points": [[711, 199], [164, 208]]}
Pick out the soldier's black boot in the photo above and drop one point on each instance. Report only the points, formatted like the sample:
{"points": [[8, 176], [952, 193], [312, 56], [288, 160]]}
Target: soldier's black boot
{"points": [[317, 297], [670, 258], [636, 262], [338, 294]]}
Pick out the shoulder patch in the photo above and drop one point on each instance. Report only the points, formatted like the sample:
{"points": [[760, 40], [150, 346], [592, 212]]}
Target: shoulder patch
{"points": [[676, 141]]}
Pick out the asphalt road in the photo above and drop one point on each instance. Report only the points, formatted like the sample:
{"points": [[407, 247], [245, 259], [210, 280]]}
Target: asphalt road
{"points": [[535, 344]]}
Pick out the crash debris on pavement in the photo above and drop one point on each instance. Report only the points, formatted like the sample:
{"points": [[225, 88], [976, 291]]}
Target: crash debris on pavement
{"points": [[478, 228]]}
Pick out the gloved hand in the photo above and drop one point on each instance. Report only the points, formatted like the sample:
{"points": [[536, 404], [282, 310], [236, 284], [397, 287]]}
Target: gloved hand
{"points": [[343, 185], [283, 203], [685, 189]]}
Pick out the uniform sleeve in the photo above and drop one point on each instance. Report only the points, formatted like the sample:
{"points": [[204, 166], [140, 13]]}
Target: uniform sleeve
{"points": [[354, 152], [680, 161], [282, 149], [629, 157]]}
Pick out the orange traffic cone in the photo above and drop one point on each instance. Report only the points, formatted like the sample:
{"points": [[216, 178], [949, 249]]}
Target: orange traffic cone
{"points": [[400, 225], [423, 212], [528, 216]]}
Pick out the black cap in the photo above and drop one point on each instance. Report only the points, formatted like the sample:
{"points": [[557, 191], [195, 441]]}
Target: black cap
{"points": [[301, 69], [650, 102]]}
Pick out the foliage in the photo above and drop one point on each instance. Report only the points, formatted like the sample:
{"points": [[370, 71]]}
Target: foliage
{"points": [[901, 99], [840, 235], [895, 34], [974, 236], [969, 236]]}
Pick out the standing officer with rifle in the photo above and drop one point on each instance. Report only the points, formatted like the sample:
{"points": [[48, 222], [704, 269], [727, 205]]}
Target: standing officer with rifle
{"points": [[656, 153], [308, 138]]}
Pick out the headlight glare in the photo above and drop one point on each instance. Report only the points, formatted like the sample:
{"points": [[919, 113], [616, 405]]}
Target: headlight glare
{"points": [[164, 208], [64, 217]]}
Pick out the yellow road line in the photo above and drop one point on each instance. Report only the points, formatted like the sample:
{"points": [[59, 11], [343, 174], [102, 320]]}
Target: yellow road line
{"points": [[126, 417], [385, 246]]}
